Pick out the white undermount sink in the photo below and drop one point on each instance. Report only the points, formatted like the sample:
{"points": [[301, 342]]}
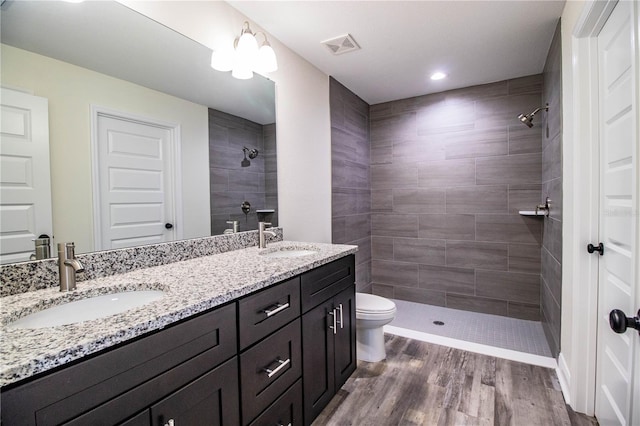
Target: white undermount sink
{"points": [[87, 309], [289, 252]]}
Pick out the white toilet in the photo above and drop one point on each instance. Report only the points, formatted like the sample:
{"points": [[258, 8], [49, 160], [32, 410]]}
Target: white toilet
{"points": [[372, 313]]}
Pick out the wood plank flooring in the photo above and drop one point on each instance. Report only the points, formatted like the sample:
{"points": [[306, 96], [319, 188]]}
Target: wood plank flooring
{"points": [[426, 384]]}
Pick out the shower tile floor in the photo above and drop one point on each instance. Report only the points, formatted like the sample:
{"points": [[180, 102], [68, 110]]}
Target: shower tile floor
{"points": [[492, 330]]}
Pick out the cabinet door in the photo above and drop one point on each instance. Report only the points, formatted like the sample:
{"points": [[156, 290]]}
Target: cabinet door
{"points": [[210, 400], [286, 410], [345, 338], [141, 419], [318, 359]]}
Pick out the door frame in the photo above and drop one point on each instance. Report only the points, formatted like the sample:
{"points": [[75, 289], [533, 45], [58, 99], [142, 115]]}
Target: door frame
{"points": [[577, 363], [175, 172]]}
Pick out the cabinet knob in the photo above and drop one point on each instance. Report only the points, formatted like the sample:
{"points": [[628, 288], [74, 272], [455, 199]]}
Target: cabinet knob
{"points": [[171, 422]]}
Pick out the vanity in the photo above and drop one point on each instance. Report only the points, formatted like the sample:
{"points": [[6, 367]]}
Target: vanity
{"points": [[249, 336]]}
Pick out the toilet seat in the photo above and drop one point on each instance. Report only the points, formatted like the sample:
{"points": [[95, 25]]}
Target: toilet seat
{"points": [[372, 305]]}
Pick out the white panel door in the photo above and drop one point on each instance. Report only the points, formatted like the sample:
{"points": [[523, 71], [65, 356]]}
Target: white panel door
{"points": [[25, 180], [618, 271], [136, 183]]}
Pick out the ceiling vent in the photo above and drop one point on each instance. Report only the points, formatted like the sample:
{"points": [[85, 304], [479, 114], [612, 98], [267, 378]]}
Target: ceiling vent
{"points": [[342, 44]]}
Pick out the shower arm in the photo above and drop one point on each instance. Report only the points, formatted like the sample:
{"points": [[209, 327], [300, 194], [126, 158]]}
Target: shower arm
{"points": [[537, 110]]}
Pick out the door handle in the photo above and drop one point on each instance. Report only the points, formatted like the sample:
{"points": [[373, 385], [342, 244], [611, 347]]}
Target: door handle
{"points": [[619, 321], [599, 248]]}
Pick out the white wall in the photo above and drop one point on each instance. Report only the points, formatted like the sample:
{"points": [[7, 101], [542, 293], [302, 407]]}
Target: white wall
{"points": [[70, 91], [302, 114]]}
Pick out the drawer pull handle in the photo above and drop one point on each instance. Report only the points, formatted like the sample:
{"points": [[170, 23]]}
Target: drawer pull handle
{"points": [[279, 307], [334, 327], [171, 422], [283, 364], [340, 320]]}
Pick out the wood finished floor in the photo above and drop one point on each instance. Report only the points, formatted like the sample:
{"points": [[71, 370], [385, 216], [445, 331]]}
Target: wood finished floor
{"points": [[426, 384]]}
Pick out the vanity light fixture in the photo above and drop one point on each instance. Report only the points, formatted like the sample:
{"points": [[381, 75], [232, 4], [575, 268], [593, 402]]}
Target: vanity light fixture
{"points": [[245, 57], [438, 75]]}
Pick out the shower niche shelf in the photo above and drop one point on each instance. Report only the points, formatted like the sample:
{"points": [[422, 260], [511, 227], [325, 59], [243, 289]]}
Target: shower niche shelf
{"points": [[540, 213]]}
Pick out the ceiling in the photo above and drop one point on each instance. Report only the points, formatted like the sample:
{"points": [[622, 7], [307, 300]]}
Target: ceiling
{"points": [[112, 39], [403, 42]]}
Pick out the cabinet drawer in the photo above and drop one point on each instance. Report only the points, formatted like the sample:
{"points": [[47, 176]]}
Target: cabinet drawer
{"points": [[326, 281], [59, 396], [262, 313], [268, 369], [287, 410]]}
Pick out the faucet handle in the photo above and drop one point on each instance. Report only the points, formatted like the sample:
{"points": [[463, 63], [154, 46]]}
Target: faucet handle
{"points": [[266, 224]]}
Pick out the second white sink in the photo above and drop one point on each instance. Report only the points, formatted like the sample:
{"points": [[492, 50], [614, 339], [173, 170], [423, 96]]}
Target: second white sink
{"points": [[87, 309]]}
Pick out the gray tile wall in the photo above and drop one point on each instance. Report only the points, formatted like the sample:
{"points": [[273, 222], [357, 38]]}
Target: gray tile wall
{"points": [[351, 185], [449, 172], [230, 183], [551, 256]]}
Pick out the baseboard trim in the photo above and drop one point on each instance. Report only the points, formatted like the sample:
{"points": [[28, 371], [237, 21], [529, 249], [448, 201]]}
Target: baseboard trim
{"points": [[564, 377], [509, 354]]}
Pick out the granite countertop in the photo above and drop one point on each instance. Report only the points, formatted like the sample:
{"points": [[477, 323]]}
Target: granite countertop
{"points": [[190, 287]]}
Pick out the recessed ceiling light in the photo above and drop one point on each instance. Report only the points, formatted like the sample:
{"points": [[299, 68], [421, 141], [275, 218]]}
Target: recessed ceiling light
{"points": [[438, 75]]}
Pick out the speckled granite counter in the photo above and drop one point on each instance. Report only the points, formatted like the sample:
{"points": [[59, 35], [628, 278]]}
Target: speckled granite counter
{"points": [[190, 287]]}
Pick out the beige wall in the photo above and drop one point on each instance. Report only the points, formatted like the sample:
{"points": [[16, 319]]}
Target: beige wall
{"points": [[302, 114], [71, 91]]}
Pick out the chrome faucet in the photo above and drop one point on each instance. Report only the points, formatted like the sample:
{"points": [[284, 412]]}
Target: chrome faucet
{"points": [[262, 240], [68, 266]]}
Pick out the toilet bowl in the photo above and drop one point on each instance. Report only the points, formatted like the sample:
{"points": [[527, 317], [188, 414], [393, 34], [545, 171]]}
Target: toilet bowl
{"points": [[372, 313]]}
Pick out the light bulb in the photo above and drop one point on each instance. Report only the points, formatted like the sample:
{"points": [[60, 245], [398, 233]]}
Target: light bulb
{"points": [[247, 50], [438, 75], [222, 60], [266, 59]]}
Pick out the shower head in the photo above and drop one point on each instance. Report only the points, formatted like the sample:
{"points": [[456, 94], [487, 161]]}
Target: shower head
{"points": [[253, 153], [528, 118]]}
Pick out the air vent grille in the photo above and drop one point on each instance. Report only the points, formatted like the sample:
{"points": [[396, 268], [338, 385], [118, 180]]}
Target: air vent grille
{"points": [[342, 44]]}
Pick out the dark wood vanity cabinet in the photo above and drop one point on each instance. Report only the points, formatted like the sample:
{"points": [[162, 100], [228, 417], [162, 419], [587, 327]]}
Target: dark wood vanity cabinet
{"points": [[328, 337], [122, 384], [276, 356]]}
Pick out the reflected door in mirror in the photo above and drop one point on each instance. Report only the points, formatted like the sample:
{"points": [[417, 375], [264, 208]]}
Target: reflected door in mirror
{"points": [[136, 184], [25, 183]]}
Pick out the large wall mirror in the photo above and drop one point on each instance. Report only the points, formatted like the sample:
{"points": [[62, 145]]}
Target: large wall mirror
{"points": [[146, 142]]}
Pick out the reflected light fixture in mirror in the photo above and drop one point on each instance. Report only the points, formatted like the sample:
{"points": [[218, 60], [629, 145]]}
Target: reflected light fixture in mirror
{"points": [[245, 57]]}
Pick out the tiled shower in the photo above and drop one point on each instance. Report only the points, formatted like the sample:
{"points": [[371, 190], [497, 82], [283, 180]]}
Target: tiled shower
{"points": [[434, 201], [234, 178]]}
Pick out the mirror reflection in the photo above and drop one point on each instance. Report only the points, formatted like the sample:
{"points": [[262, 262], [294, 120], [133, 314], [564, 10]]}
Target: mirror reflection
{"points": [[116, 132]]}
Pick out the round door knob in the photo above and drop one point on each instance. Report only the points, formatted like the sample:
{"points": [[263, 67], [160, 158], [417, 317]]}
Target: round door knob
{"points": [[168, 225], [619, 322], [599, 248]]}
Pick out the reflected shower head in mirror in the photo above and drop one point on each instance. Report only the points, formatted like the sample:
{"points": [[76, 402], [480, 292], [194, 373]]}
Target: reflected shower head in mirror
{"points": [[528, 118], [253, 153]]}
